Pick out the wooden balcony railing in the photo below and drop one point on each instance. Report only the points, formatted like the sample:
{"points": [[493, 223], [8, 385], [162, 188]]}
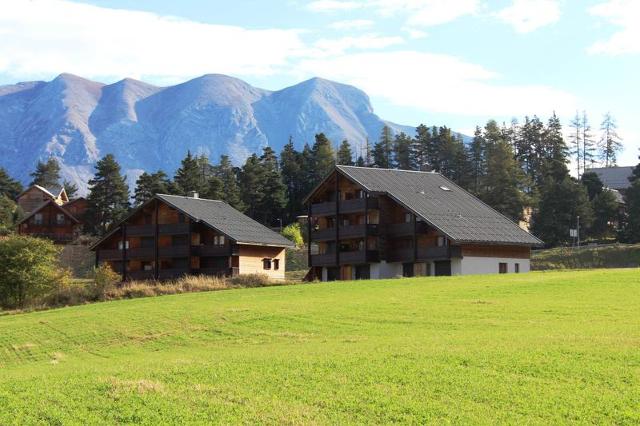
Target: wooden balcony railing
{"points": [[326, 259], [436, 253], [404, 229], [346, 232], [111, 254], [358, 257], [141, 230], [173, 229], [213, 251], [173, 251], [346, 206], [140, 253]]}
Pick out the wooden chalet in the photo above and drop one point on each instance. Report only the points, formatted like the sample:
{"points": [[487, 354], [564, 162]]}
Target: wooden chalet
{"points": [[383, 223], [170, 236], [50, 214]]}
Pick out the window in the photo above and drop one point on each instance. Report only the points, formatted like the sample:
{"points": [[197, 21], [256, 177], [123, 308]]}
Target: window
{"points": [[180, 217], [407, 218], [147, 266], [266, 264], [517, 268], [218, 240], [120, 245], [37, 219], [502, 268], [442, 242], [60, 219], [276, 264]]}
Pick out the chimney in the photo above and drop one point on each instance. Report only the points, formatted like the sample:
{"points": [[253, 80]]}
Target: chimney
{"points": [[194, 194]]}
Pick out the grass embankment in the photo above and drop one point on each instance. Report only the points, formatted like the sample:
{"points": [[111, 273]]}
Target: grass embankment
{"points": [[555, 347], [610, 256]]}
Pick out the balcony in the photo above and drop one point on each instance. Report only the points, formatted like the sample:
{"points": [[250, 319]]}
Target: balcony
{"points": [[141, 253], [346, 206], [141, 230], [405, 229], [358, 257], [438, 253], [173, 251], [327, 259], [400, 255], [346, 232], [174, 229]]}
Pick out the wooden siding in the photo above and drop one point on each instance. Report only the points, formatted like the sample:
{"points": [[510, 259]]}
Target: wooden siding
{"points": [[513, 252]]}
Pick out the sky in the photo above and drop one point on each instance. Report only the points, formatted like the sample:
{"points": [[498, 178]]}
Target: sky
{"points": [[444, 62]]}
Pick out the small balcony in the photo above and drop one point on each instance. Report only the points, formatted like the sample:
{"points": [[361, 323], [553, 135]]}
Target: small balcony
{"points": [[346, 232], [439, 253], [213, 251], [326, 259], [405, 229], [141, 253], [358, 257], [141, 230], [173, 229], [173, 251], [355, 205]]}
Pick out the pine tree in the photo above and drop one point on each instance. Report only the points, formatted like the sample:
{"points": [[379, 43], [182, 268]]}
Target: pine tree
{"points": [[631, 232], [46, 174], [229, 177], [360, 162], [149, 185], [345, 155], [477, 160], [575, 138], [383, 149], [502, 185], [70, 188], [108, 199], [214, 189], [191, 176], [605, 212], [368, 154], [9, 187], [251, 185], [561, 202], [323, 158], [555, 153], [402, 147], [593, 184], [291, 168], [422, 148], [274, 200], [610, 142], [588, 143]]}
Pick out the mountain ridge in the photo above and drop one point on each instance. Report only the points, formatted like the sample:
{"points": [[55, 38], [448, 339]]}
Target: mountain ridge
{"points": [[149, 127]]}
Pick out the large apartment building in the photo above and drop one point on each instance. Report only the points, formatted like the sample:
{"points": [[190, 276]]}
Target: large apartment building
{"points": [[170, 236], [383, 223]]}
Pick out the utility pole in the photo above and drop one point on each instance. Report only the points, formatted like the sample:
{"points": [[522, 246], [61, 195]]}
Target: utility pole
{"points": [[578, 233]]}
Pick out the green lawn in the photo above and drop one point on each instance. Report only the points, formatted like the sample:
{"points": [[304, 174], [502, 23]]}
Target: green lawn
{"points": [[555, 347]]}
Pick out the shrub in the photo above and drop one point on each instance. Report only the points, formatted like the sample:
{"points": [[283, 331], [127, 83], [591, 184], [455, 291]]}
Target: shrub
{"points": [[29, 270], [251, 280], [293, 233], [104, 280]]}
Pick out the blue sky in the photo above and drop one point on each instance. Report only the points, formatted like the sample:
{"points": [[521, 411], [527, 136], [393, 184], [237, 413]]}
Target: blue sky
{"points": [[453, 62]]}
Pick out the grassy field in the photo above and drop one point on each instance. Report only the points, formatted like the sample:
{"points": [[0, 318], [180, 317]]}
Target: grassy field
{"points": [[539, 348], [587, 257]]}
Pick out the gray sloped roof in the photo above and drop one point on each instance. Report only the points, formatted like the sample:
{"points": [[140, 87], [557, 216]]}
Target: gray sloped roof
{"points": [[455, 212], [224, 218], [614, 177]]}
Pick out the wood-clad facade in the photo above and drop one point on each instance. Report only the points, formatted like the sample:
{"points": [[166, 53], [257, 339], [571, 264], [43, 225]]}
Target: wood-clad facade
{"points": [[159, 241], [357, 233], [49, 214]]}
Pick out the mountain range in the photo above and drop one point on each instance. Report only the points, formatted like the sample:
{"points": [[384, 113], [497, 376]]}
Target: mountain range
{"points": [[147, 127]]}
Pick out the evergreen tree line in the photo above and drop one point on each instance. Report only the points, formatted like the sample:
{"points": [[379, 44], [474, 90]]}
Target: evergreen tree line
{"points": [[521, 170]]}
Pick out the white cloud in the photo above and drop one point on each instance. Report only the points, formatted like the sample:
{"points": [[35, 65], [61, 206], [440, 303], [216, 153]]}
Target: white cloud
{"points": [[529, 15], [418, 13], [355, 24], [438, 83], [624, 14], [329, 47], [333, 5], [42, 37]]}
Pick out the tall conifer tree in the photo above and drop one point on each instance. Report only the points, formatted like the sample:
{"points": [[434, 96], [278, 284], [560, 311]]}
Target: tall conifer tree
{"points": [[108, 199], [47, 174]]}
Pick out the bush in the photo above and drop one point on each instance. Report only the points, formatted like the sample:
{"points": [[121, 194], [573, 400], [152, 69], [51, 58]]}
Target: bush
{"points": [[29, 271], [293, 233], [104, 280], [251, 280]]}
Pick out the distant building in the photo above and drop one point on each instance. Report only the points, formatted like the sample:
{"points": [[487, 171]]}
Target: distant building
{"points": [[381, 223], [50, 214], [170, 236]]}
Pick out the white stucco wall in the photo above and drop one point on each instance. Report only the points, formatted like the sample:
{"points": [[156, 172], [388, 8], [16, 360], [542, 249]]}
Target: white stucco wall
{"points": [[487, 265], [385, 270]]}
